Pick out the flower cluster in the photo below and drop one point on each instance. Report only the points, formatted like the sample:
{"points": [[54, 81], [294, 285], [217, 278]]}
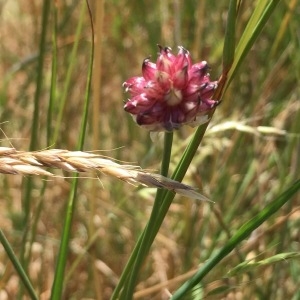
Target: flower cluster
{"points": [[171, 92]]}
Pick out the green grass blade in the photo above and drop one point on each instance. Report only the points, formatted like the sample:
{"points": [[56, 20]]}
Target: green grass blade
{"points": [[57, 287], [72, 63], [259, 18], [53, 77], [26, 203], [238, 237], [39, 78], [18, 266], [229, 42], [189, 153]]}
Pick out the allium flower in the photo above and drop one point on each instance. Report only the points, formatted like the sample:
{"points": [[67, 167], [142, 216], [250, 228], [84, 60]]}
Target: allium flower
{"points": [[171, 92]]}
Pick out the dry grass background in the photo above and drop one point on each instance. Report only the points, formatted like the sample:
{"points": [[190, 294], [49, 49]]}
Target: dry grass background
{"points": [[250, 153]]}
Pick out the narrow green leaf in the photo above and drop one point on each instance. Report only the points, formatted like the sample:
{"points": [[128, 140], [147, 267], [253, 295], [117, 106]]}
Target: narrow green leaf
{"points": [[13, 258], [57, 287], [67, 83], [259, 18], [239, 236], [229, 42], [28, 182]]}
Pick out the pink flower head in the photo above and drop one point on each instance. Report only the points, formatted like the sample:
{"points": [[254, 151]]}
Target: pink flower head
{"points": [[171, 92]]}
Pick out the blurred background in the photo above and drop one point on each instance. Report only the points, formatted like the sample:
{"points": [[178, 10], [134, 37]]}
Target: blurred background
{"points": [[250, 153]]}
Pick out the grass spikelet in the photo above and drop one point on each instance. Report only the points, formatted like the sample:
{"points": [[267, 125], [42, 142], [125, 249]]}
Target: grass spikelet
{"points": [[33, 163]]}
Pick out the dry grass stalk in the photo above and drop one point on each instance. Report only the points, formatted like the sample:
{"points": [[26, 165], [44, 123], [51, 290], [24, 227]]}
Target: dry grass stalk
{"points": [[33, 163]]}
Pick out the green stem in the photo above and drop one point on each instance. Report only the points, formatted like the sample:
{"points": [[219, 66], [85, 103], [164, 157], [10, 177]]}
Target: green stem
{"points": [[71, 67], [13, 258], [167, 200], [34, 128], [168, 141], [39, 78], [57, 287], [145, 242], [53, 78], [64, 246]]}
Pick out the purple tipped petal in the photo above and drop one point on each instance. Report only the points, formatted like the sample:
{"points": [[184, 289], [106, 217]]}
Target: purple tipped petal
{"points": [[135, 85], [148, 69], [183, 60], [165, 60], [138, 103]]}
